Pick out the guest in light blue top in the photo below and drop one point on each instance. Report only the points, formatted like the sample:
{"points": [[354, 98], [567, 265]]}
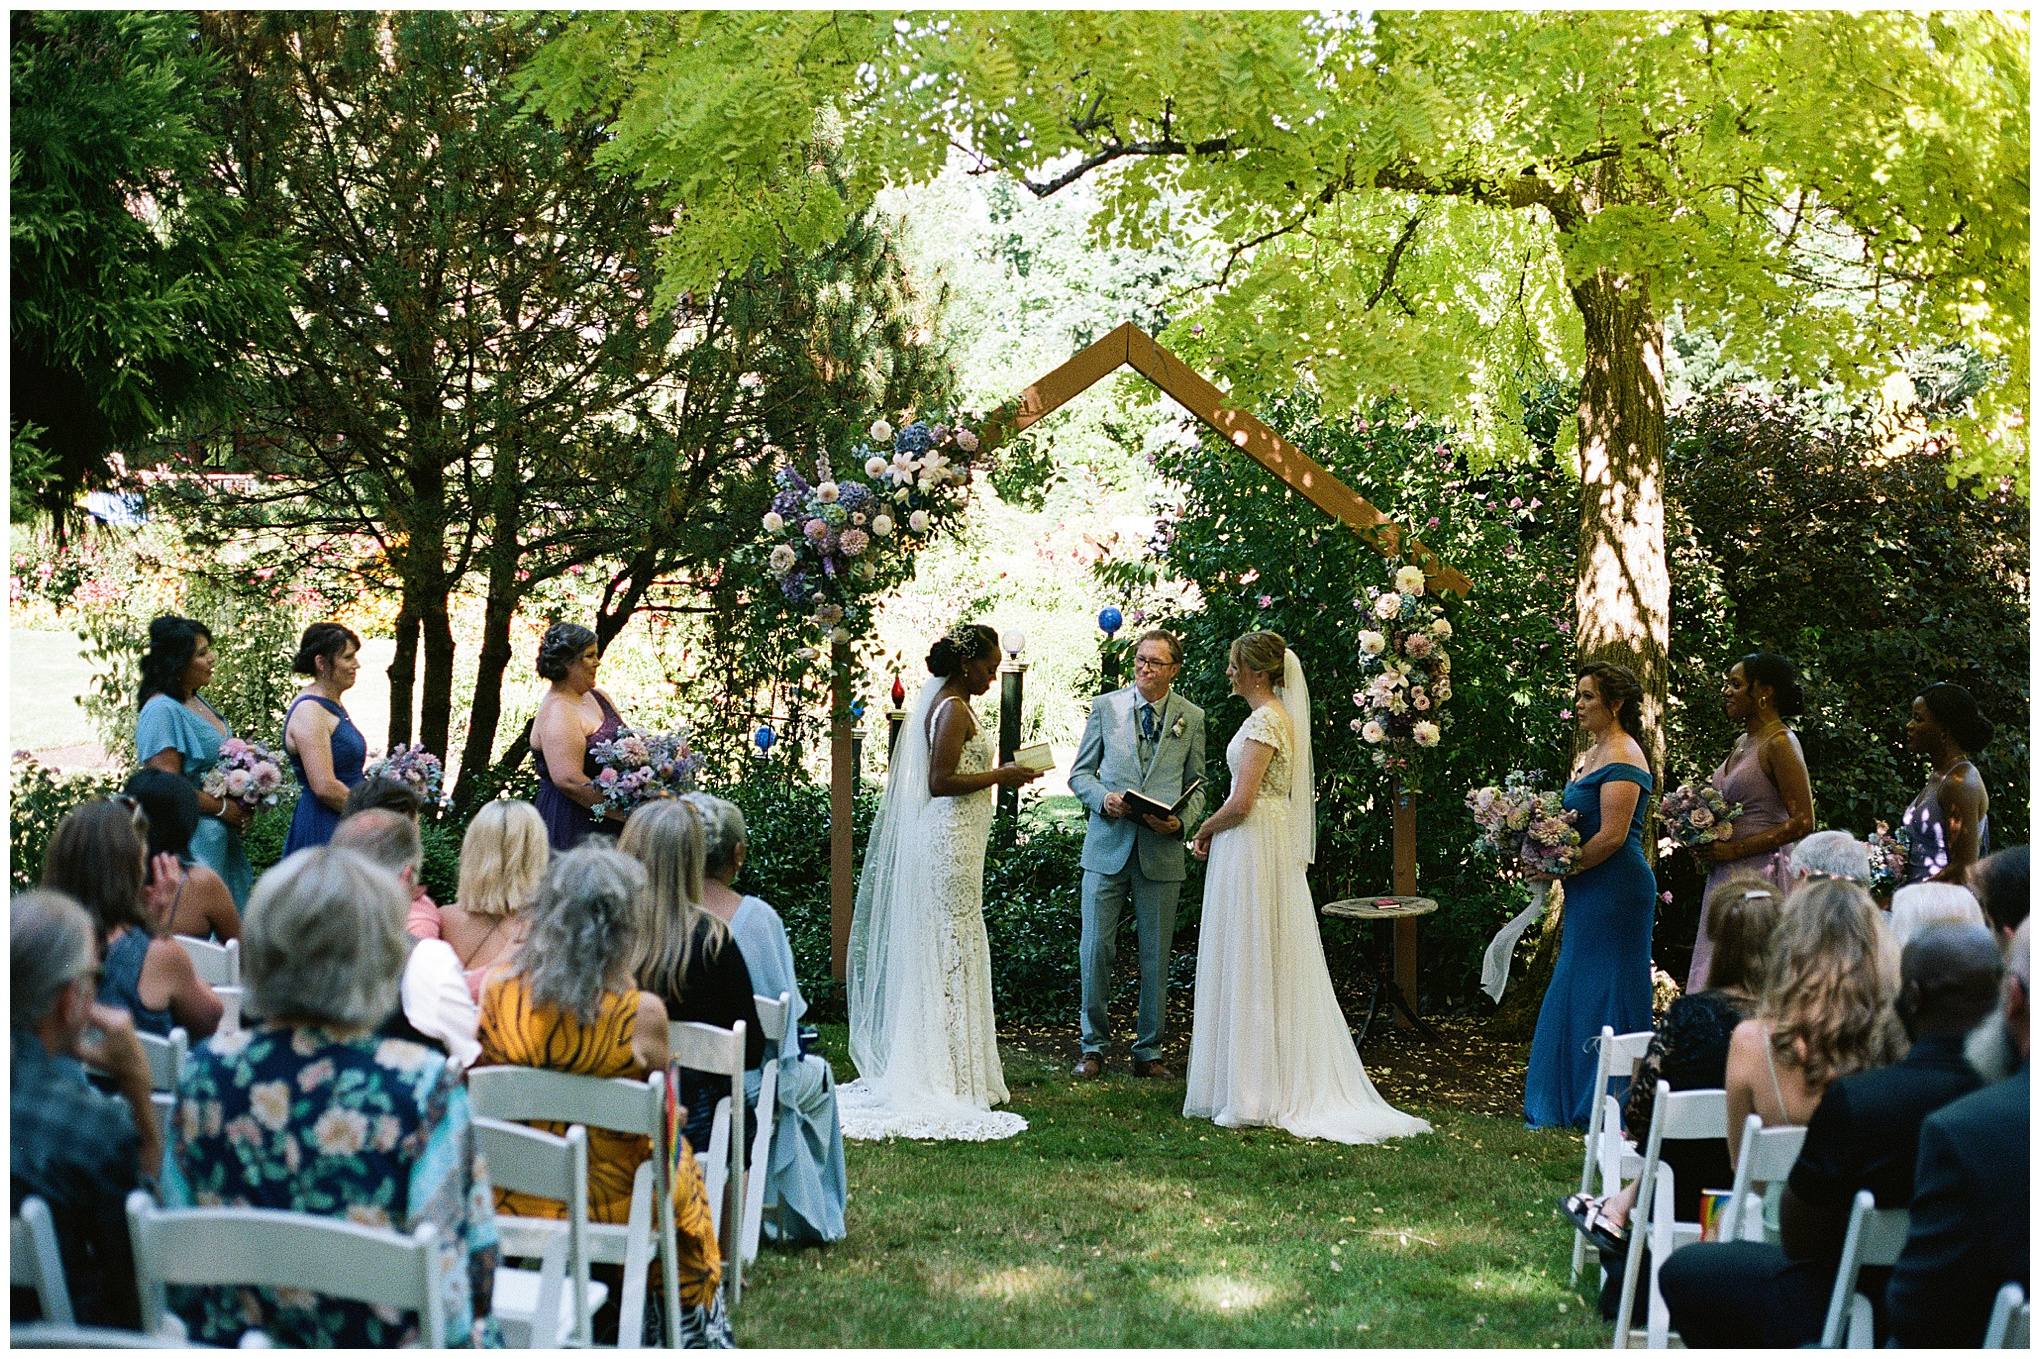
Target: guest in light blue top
{"points": [[326, 749], [179, 732], [805, 1186]]}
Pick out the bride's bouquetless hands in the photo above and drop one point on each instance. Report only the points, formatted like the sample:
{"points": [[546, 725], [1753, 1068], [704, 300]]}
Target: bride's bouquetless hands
{"points": [[1201, 846], [1014, 775]]}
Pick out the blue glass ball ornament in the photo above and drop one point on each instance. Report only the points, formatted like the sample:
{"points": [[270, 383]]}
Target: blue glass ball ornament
{"points": [[1109, 619], [764, 737]]}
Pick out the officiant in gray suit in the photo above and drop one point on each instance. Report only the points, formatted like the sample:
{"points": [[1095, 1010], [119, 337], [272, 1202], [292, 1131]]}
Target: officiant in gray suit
{"points": [[1150, 740]]}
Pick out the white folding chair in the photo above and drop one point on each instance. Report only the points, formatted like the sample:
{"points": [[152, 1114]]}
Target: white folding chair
{"points": [[2011, 1321], [268, 1248], [720, 1052], [33, 1260], [216, 964], [1766, 1157], [559, 1291], [166, 1057], [1677, 1116], [1876, 1236], [62, 1335], [772, 1017], [230, 998], [523, 1094], [1606, 1149]]}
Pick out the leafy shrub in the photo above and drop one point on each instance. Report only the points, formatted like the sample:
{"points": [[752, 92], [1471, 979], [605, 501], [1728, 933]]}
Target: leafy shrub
{"points": [[40, 798]]}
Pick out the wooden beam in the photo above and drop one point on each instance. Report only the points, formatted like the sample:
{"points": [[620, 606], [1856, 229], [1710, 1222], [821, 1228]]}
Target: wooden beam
{"points": [[842, 797]]}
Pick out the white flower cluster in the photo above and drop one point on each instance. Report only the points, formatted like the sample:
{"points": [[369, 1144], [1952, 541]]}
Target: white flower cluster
{"points": [[1408, 671]]}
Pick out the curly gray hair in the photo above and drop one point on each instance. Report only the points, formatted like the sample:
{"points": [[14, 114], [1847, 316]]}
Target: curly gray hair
{"points": [[584, 929], [324, 941]]}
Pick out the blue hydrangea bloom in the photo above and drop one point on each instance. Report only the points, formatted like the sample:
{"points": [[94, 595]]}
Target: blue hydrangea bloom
{"points": [[913, 439]]}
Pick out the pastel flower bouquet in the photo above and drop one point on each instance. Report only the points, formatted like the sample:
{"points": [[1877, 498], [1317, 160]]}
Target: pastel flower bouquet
{"points": [[247, 773], [1408, 673], [1526, 828], [1890, 851], [414, 765], [1696, 814], [636, 767], [849, 534]]}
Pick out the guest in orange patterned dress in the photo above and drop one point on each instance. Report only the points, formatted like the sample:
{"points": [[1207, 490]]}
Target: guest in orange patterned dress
{"points": [[566, 1002]]}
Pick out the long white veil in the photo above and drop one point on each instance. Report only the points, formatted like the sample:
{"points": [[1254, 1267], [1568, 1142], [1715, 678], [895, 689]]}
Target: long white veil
{"points": [[1302, 774]]}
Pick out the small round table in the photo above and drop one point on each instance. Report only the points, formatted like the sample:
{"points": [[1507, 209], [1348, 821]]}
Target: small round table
{"points": [[1379, 987]]}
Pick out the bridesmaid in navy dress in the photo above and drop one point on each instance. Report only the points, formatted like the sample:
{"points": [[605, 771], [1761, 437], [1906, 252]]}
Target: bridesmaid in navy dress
{"points": [[573, 718], [1603, 973], [326, 749]]}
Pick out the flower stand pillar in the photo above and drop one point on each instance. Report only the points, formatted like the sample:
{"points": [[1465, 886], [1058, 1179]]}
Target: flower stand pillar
{"points": [[1405, 840], [842, 796]]}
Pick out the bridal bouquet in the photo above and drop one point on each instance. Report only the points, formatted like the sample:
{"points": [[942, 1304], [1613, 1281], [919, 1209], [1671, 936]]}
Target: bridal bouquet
{"points": [[1526, 827], [413, 765], [1889, 854], [637, 767], [1695, 814], [247, 773], [1409, 673]]}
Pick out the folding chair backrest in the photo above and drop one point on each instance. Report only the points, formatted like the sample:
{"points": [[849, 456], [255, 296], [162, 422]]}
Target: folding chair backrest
{"points": [[531, 1161], [216, 964], [720, 1052], [230, 998], [1876, 1237], [1675, 1116], [1618, 1053], [166, 1057], [33, 1260], [264, 1247], [1767, 1155], [2010, 1321], [63, 1335], [772, 1019]]}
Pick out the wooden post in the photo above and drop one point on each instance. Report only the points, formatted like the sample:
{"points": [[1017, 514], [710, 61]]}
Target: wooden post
{"points": [[1405, 886], [842, 789], [1012, 676]]}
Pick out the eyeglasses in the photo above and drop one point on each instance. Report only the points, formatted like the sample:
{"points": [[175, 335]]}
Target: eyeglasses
{"points": [[1150, 663]]}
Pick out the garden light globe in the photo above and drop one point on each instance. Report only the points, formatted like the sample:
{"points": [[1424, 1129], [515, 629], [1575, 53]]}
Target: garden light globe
{"points": [[1014, 641], [1109, 620], [764, 737]]}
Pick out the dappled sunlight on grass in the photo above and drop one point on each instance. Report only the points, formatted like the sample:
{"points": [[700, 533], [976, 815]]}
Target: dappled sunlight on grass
{"points": [[1018, 1283], [1225, 1293]]}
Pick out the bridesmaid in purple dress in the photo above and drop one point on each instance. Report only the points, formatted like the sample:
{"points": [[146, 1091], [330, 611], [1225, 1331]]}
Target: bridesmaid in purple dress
{"points": [[1766, 772], [1948, 824], [573, 718]]}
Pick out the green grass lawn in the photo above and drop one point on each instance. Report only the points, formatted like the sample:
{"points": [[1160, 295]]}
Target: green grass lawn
{"points": [[1114, 1221]]}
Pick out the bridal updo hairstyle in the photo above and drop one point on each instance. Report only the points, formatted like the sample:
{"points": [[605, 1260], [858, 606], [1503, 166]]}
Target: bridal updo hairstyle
{"points": [[966, 642], [323, 640], [1261, 651], [1617, 684], [1778, 675], [1955, 709], [561, 646], [172, 643]]}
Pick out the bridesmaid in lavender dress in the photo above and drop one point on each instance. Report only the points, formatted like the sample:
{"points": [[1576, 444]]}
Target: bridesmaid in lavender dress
{"points": [[1766, 772], [573, 718], [1948, 824]]}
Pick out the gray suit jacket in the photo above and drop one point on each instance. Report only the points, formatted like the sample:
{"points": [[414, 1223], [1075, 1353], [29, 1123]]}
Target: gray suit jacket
{"points": [[1108, 761]]}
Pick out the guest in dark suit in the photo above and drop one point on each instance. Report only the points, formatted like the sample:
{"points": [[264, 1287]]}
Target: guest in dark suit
{"points": [[1863, 1135], [1969, 1203]]}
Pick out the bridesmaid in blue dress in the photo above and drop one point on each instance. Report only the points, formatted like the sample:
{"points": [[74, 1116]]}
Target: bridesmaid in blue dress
{"points": [[573, 718], [326, 749], [178, 732], [1603, 973]]}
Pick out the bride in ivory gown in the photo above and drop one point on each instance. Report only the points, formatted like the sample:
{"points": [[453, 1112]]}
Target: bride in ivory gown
{"points": [[1269, 1046], [919, 968]]}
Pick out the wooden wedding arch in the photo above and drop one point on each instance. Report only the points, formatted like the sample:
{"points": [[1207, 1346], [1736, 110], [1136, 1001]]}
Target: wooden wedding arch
{"points": [[1131, 347]]}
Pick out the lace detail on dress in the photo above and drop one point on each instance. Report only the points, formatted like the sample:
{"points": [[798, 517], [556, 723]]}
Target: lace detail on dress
{"points": [[1270, 727]]}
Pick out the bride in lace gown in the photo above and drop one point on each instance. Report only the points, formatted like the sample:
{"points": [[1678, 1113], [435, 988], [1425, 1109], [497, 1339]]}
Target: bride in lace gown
{"points": [[1269, 1046], [920, 971]]}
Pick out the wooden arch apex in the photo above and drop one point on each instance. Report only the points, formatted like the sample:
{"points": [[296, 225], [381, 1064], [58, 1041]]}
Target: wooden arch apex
{"points": [[1131, 347]]}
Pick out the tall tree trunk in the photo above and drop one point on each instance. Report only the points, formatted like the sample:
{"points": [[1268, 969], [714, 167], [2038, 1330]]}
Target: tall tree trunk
{"points": [[404, 670], [485, 709], [435, 708]]}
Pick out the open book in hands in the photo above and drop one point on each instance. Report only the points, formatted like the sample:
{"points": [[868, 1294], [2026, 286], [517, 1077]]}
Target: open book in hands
{"points": [[1039, 757], [1139, 804]]}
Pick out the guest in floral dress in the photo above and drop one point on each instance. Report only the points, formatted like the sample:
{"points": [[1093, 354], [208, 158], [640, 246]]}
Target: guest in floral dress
{"points": [[566, 1002], [314, 1114]]}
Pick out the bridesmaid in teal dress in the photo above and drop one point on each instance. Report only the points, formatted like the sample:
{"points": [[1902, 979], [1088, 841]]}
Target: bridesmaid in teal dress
{"points": [[1603, 972], [180, 733]]}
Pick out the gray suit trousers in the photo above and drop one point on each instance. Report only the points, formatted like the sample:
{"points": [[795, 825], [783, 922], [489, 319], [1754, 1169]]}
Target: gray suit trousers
{"points": [[1154, 915]]}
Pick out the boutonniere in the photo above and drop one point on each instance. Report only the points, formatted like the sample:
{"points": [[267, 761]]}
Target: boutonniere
{"points": [[1176, 728]]}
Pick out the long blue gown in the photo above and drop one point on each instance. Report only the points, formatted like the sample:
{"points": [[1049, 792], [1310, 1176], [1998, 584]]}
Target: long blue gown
{"points": [[313, 822], [166, 724], [1603, 972]]}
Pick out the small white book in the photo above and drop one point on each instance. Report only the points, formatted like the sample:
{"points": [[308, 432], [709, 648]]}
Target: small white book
{"points": [[1039, 757]]}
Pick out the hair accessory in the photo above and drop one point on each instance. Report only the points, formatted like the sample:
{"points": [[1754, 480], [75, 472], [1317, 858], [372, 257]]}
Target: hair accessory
{"points": [[964, 637], [1756, 892]]}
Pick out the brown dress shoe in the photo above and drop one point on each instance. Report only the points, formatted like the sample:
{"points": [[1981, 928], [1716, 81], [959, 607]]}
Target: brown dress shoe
{"points": [[1089, 1066], [1153, 1071]]}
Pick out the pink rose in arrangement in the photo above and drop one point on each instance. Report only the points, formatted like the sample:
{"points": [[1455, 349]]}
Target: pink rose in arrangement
{"points": [[855, 541]]}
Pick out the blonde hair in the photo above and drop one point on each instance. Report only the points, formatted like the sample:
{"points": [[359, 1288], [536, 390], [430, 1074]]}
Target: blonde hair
{"points": [[667, 837], [1260, 651], [502, 859], [1829, 983]]}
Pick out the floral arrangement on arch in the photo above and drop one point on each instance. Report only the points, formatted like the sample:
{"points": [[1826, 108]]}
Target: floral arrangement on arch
{"points": [[1408, 673], [849, 533]]}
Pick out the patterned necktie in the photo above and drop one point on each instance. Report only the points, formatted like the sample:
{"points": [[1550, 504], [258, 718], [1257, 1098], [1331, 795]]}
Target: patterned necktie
{"points": [[1147, 721]]}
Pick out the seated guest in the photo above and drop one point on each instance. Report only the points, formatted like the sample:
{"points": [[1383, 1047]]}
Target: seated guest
{"points": [[565, 1001], [1920, 904], [1690, 1051], [1864, 1135], [1970, 1185], [435, 1006], [394, 795], [684, 954], [79, 1150], [805, 1187], [99, 858], [313, 1112], [502, 862], [204, 908], [1831, 854], [2002, 889], [1826, 1010]]}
